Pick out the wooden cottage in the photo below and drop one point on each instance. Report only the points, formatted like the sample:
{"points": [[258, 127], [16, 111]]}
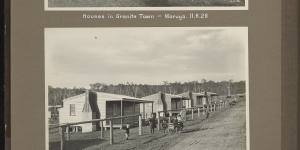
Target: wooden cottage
{"points": [[99, 105], [199, 99], [163, 102], [212, 97]]}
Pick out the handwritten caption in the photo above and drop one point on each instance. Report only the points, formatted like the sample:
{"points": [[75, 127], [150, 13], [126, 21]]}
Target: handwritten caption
{"points": [[142, 16]]}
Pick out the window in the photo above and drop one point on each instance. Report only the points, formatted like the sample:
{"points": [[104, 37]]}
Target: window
{"points": [[72, 110]]}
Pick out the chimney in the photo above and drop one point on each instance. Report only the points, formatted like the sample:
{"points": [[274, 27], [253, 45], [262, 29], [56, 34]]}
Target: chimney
{"points": [[86, 106]]}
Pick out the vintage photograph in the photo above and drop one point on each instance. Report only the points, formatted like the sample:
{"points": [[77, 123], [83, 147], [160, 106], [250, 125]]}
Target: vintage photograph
{"points": [[144, 4], [147, 88]]}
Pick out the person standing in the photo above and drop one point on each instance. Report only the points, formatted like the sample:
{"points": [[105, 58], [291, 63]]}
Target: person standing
{"points": [[152, 123], [164, 125], [127, 131]]}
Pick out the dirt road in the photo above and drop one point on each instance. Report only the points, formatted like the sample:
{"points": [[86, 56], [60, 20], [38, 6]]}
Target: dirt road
{"points": [[226, 131]]}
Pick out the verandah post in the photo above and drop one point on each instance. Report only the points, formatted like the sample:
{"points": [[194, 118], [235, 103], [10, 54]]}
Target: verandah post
{"points": [[111, 138], [158, 121], [140, 125], [144, 110], [101, 129], [192, 113], [121, 113], [62, 137]]}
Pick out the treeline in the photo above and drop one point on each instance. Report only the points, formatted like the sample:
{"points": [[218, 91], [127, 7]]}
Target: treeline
{"points": [[56, 95]]}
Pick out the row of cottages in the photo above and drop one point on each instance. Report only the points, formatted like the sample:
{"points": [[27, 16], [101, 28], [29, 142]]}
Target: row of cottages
{"points": [[201, 98], [99, 105], [164, 102]]}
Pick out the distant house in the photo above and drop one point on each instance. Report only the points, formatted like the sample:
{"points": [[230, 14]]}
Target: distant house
{"points": [[199, 99], [212, 97], [99, 105], [163, 102], [53, 113]]}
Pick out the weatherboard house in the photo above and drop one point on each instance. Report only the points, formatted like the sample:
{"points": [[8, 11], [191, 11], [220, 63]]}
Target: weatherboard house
{"points": [[163, 102], [99, 105], [199, 99]]}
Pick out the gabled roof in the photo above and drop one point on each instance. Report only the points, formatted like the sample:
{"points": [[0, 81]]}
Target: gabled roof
{"points": [[73, 97], [211, 94], [153, 96], [117, 97], [174, 96], [186, 94], [112, 97]]}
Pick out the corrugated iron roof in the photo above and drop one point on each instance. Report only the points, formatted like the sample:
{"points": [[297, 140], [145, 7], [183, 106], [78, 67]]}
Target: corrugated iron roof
{"points": [[117, 97]]}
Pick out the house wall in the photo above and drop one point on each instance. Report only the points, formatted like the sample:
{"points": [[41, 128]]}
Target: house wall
{"points": [[186, 103], [168, 98], [105, 105], [157, 104], [190, 102], [101, 102], [65, 117]]}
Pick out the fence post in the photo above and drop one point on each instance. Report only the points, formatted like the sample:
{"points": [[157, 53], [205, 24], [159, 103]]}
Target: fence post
{"points": [[140, 125], [62, 137], [101, 129], [192, 113], [198, 112], [111, 138], [158, 121]]}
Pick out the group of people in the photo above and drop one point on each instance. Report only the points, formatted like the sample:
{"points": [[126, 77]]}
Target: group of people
{"points": [[177, 122]]}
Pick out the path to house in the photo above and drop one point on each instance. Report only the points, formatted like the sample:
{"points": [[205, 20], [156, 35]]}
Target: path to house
{"points": [[224, 130]]}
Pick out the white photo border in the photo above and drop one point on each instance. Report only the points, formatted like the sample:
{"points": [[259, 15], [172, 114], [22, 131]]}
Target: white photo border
{"points": [[246, 66]]}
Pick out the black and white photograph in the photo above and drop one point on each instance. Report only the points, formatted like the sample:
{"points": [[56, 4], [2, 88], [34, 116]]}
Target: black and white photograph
{"points": [[146, 4], [146, 88]]}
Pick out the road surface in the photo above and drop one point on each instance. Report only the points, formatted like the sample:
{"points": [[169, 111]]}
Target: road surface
{"points": [[226, 131]]}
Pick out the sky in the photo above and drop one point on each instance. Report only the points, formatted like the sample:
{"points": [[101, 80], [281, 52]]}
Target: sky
{"points": [[77, 57]]}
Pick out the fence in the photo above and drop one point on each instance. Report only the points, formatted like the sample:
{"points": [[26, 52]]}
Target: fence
{"points": [[65, 136]]}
